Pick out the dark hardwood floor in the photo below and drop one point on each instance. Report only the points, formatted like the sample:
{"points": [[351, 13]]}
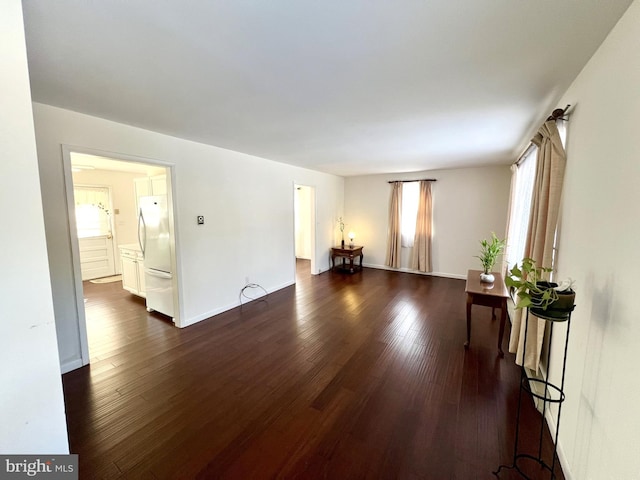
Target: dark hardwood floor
{"points": [[338, 377]]}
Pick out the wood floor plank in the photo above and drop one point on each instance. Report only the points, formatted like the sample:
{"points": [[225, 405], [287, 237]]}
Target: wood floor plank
{"points": [[337, 377]]}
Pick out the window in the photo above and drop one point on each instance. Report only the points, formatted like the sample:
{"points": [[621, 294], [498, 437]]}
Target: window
{"points": [[521, 201], [562, 130], [410, 197], [521, 206], [92, 212]]}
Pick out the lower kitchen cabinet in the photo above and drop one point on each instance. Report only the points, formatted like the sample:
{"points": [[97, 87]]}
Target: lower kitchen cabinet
{"points": [[132, 263]]}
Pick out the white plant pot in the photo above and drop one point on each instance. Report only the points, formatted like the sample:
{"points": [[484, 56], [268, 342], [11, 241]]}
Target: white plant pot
{"points": [[487, 277]]}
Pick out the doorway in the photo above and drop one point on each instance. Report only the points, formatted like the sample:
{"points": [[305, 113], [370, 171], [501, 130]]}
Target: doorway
{"points": [[304, 197], [103, 194]]}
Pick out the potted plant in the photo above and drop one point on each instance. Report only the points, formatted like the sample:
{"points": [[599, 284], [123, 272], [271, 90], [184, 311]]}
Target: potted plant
{"points": [[545, 299], [489, 252]]}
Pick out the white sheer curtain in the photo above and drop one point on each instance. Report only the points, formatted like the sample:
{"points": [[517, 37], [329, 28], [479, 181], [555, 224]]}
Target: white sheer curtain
{"points": [[524, 174], [410, 200]]}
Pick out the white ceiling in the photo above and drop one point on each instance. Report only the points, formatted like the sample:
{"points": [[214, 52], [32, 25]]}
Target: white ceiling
{"points": [[83, 161], [346, 87]]}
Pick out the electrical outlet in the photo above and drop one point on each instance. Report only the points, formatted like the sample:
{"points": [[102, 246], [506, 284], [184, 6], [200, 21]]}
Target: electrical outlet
{"points": [[200, 219]]}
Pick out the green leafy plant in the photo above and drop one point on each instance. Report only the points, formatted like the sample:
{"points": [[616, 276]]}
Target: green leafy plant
{"points": [[490, 251], [532, 291]]}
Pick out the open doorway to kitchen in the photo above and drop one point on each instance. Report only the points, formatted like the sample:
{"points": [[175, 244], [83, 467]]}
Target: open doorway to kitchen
{"points": [[114, 285], [304, 207]]}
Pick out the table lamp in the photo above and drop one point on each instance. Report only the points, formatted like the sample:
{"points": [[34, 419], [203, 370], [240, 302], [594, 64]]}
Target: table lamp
{"points": [[351, 237]]}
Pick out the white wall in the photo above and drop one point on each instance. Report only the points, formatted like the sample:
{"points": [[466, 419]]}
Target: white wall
{"points": [[31, 402], [247, 203], [468, 204], [599, 248]]}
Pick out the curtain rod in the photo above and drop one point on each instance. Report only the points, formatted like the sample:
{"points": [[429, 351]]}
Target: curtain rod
{"points": [[557, 114], [409, 181]]}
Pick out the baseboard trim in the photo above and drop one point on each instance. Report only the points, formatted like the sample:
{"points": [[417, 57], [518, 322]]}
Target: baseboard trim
{"points": [[564, 462], [218, 311], [408, 270], [70, 365]]}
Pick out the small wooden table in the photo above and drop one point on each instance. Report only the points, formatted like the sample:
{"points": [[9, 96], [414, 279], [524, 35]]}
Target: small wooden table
{"points": [[492, 295], [347, 252]]}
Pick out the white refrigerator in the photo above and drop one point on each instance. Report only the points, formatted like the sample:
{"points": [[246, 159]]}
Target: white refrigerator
{"points": [[154, 238]]}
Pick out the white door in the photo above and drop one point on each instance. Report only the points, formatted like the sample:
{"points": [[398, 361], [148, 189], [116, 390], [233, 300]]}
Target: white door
{"points": [[96, 257], [304, 204], [95, 237], [302, 212]]}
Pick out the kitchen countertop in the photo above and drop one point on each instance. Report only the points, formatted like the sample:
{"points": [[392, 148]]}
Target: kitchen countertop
{"points": [[131, 246]]}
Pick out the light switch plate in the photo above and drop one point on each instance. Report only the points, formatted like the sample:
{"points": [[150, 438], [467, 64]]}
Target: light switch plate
{"points": [[200, 219]]}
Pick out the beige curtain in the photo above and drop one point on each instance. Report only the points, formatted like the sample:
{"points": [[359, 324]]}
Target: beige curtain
{"points": [[394, 236], [547, 192], [421, 257]]}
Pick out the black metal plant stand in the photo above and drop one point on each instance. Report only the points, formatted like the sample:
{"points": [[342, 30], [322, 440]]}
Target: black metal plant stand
{"points": [[552, 395]]}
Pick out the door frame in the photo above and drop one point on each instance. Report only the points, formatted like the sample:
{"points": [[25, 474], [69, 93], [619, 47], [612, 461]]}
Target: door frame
{"points": [[75, 249]]}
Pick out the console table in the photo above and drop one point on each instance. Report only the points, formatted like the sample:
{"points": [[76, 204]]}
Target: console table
{"points": [[345, 253], [492, 295]]}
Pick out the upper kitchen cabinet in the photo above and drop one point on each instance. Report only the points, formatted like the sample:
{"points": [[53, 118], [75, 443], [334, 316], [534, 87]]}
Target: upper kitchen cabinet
{"points": [[155, 185], [145, 186], [158, 184]]}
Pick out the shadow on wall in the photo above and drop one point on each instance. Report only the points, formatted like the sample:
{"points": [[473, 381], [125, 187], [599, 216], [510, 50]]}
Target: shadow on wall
{"points": [[593, 374]]}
